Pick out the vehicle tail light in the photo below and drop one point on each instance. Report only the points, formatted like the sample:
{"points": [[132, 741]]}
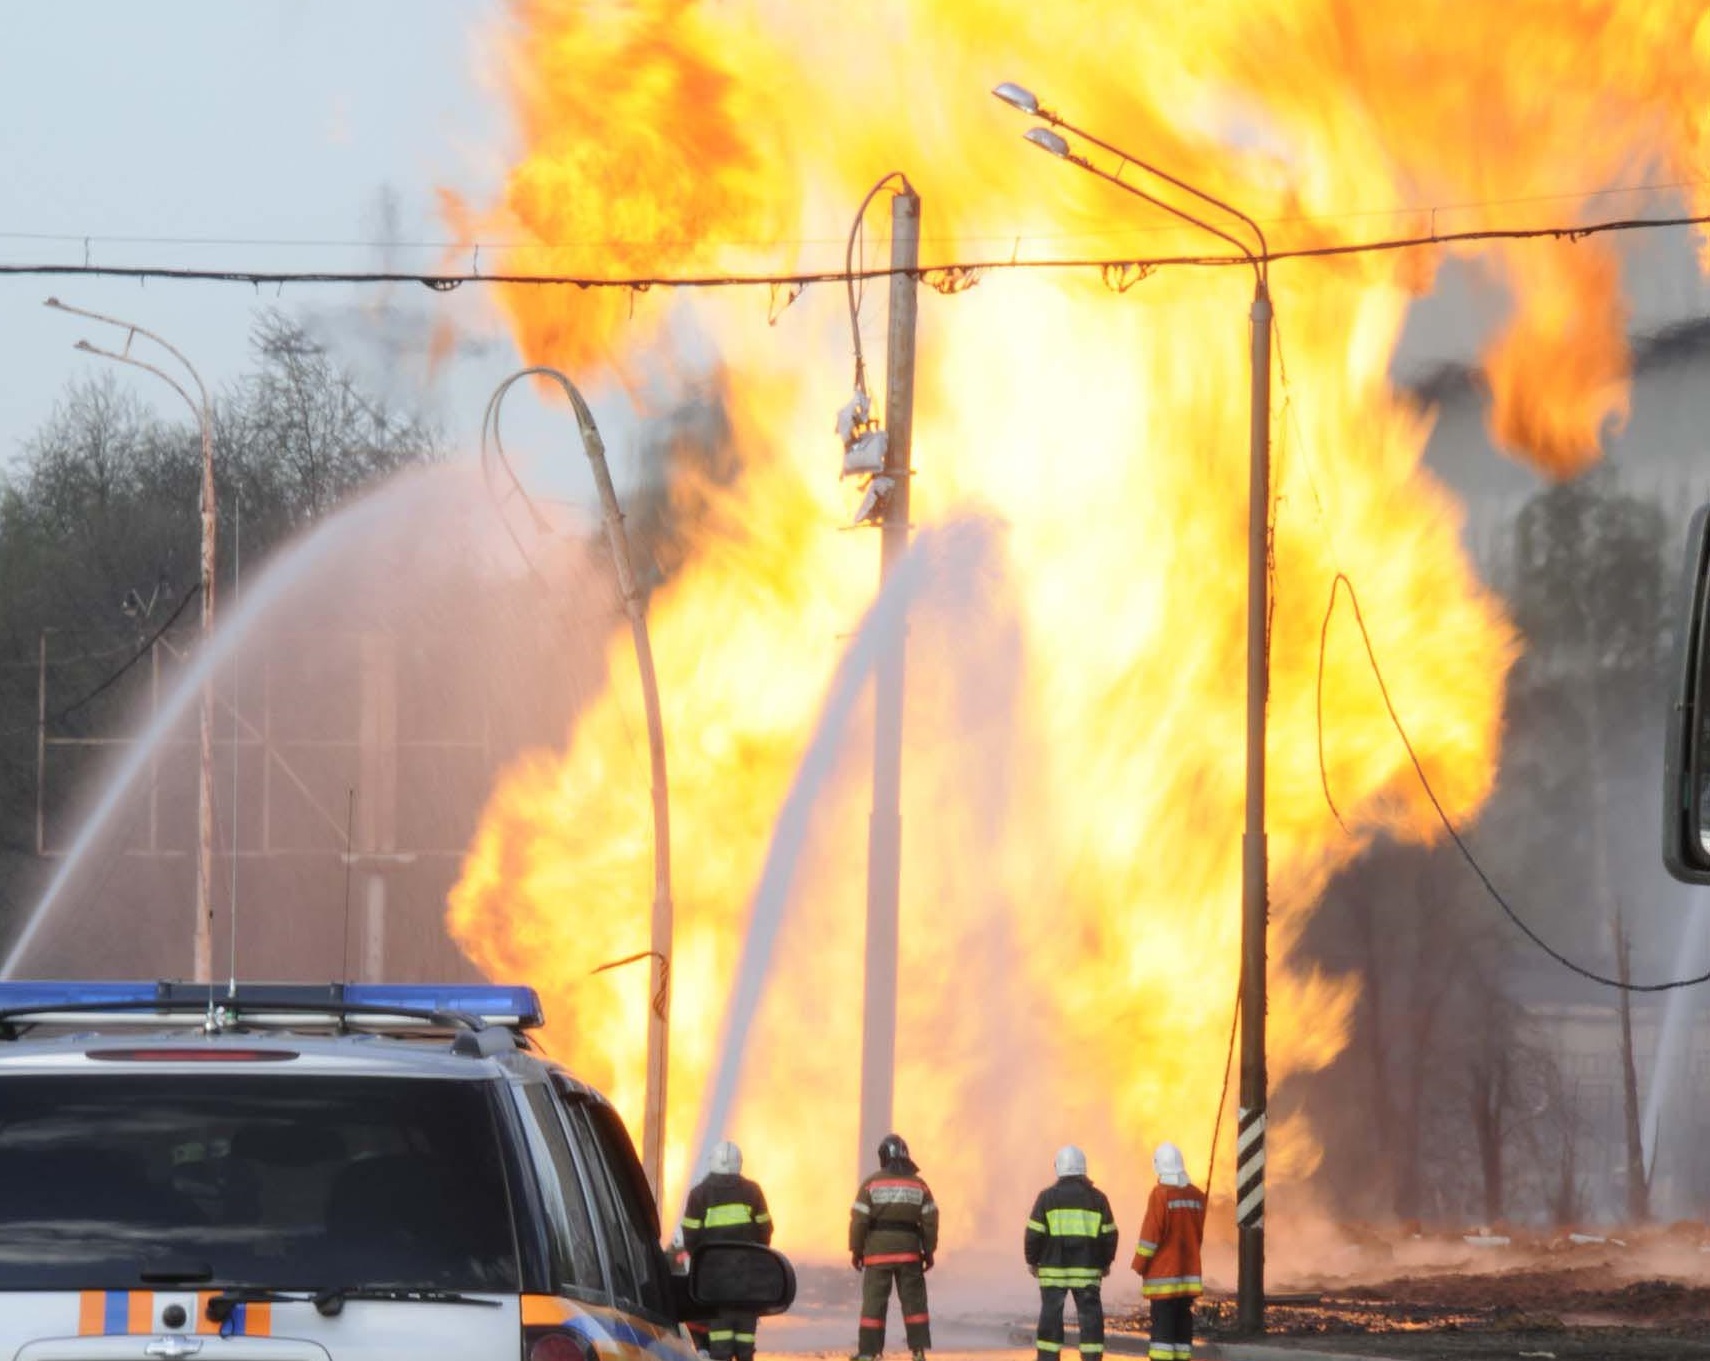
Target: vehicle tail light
{"points": [[554, 1344]]}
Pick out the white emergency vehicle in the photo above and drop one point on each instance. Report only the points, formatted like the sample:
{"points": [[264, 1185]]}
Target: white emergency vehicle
{"points": [[326, 1173]]}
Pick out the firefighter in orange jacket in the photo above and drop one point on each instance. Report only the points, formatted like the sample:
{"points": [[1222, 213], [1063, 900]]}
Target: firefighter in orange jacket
{"points": [[1168, 1255]]}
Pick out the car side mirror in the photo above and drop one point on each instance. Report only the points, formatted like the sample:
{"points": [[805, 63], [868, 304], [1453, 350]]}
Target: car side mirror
{"points": [[735, 1278], [1686, 761]]}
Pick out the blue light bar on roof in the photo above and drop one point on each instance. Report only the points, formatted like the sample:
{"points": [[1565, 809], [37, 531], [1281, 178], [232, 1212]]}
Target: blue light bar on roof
{"points": [[517, 1006], [72, 992], [494, 1003]]}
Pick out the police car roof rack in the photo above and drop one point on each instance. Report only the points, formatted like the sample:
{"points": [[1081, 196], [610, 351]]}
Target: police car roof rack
{"points": [[491, 1012]]}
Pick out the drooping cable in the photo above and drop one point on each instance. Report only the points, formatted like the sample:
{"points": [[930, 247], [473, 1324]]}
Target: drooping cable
{"points": [[112, 679], [1496, 895], [854, 280], [1223, 1094]]}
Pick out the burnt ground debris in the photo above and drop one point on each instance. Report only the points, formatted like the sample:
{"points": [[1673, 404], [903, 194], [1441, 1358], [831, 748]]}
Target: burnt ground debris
{"points": [[1597, 1300]]}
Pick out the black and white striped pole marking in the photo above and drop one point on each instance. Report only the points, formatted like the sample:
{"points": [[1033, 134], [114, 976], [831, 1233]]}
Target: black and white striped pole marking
{"points": [[1250, 1170]]}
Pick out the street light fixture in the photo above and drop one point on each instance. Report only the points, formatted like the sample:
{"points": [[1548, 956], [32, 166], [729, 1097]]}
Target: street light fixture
{"points": [[1250, 1135], [1017, 97], [1047, 140], [659, 951], [202, 938]]}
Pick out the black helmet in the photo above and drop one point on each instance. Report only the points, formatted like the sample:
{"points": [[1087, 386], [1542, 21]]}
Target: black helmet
{"points": [[892, 1149]]}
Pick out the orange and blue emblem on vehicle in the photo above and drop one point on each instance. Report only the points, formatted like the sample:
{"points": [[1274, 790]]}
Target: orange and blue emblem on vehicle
{"points": [[122, 1313], [611, 1333]]}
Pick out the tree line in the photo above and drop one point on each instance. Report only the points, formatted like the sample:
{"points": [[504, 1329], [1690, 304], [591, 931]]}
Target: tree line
{"points": [[100, 534], [1466, 1095]]}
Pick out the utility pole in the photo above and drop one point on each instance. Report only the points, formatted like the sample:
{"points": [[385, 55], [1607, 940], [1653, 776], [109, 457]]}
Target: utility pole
{"points": [[1638, 1177], [884, 838], [1255, 851], [377, 812], [203, 941]]}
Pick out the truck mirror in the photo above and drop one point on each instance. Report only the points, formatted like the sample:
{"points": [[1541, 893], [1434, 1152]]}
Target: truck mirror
{"points": [[737, 1278], [1686, 761]]}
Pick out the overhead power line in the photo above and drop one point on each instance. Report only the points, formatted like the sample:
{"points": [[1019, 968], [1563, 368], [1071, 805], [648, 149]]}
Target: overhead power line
{"points": [[947, 277], [88, 240]]}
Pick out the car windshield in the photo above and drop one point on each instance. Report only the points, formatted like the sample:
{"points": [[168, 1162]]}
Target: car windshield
{"points": [[284, 1180]]}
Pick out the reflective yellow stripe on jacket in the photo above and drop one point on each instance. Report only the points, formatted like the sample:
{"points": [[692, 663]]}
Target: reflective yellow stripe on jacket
{"points": [[1073, 1223], [723, 1216]]}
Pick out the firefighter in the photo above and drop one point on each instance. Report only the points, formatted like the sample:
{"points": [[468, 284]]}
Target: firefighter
{"points": [[893, 1233], [1069, 1245], [678, 1256], [1168, 1255], [727, 1207]]}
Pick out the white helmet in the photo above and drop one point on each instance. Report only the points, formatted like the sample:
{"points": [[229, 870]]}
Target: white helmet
{"points": [[1167, 1163], [726, 1158], [1071, 1162]]}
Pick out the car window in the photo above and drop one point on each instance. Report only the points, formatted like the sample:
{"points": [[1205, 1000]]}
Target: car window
{"points": [[625, 1284], [574, 1248], [288, 1181], [638, 1260]]}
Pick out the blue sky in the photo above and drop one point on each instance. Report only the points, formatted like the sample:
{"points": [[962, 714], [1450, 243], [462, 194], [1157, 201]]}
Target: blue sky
{"points": [[299, 131]]}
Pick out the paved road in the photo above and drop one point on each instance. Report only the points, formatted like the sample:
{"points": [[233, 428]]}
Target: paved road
{"points": [[982, 1310], [816, 1330]]}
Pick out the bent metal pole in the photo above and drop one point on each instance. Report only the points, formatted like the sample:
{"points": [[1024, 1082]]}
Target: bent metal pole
{"points": [[659, 946]]}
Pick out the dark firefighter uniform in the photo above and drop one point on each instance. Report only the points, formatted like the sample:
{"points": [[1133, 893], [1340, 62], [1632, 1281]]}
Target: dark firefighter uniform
{"points": [[1070, 1243], [893, 1233], [726, 1207]]}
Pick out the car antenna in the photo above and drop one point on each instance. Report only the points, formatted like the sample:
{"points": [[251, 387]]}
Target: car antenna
{"points": [[349, 819], [237, 663]]}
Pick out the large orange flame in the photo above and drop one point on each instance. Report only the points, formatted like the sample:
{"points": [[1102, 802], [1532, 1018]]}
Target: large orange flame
{"points": [[1074, 762]]}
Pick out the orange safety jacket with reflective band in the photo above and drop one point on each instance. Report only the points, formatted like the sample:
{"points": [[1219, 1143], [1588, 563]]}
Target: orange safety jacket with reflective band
{"points": [[1167, 1257]]}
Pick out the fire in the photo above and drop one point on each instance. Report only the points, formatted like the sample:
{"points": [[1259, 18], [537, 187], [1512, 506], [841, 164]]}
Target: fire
{"points": [[1073, 764]]}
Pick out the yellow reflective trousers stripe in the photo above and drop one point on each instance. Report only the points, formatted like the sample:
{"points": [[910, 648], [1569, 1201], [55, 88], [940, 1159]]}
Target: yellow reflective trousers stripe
{"points": [[1069, 1275]]}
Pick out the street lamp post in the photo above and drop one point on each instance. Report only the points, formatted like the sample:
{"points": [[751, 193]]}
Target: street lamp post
{"points": [[202, 938], [1250, 1135], [659, 951]]}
